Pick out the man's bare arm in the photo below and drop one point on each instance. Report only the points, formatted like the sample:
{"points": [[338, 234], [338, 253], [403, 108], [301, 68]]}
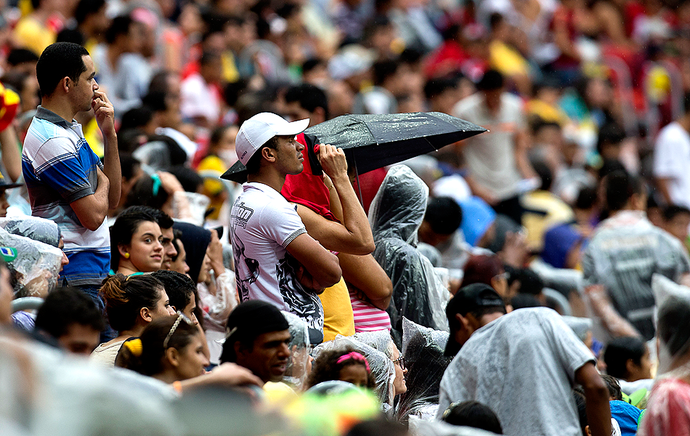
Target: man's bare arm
{"points": [[365, 274], [105, 117], [92, 209], [597, 399], [321, 264], [11, 157]]}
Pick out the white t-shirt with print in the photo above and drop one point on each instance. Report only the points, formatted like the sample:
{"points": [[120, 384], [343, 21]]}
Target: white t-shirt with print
{"points": [[671, 159], [262, 225]]}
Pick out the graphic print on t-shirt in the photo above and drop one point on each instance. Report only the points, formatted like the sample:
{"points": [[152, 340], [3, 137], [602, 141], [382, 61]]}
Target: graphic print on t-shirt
{"points": [[302, 303], [247, 270]]}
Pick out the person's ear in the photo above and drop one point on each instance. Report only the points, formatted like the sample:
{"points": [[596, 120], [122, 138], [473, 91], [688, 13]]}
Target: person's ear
{"points": [[124, 251], [66, 83], [589, 432], [145, 314], [464, 322], [172, 356], [319, 115], [630, 366], [268, 153]]}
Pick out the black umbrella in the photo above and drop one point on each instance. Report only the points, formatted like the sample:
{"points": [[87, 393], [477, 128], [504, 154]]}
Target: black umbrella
{"points": [[374, 141]]}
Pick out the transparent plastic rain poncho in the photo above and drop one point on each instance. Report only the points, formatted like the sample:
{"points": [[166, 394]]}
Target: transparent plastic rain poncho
{"points": [[421, 427], [395, 215], [382, 367], [296, 372], [37, 264], [423, 352], [673, 304], [38, 229]]}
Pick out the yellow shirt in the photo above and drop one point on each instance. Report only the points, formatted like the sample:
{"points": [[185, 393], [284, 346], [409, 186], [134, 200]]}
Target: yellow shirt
{"points": [[507, 60], [337, 312], [33, 35]]}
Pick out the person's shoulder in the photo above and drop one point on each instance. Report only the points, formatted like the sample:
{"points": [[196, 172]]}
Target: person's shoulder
{"points": [[467, 103]]}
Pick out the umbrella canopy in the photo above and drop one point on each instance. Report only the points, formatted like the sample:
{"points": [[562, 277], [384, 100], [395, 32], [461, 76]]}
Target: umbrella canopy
{"points": [[374, 141]]}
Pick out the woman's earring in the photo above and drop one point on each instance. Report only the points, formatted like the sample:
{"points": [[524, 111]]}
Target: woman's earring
{"points": [[126, 255]]}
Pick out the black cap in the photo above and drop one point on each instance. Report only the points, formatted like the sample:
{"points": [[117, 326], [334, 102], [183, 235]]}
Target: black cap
{"points": [[466, 300], [253, 318]]}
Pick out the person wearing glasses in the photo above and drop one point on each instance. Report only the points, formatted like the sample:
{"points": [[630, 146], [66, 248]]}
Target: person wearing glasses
{"points": [[131, 303], [171, 349]]}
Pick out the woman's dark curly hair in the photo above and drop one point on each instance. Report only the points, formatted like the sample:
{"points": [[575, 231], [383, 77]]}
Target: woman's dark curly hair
{"points": [[325, 367]]}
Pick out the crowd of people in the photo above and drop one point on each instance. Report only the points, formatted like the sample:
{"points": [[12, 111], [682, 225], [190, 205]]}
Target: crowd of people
{"points": [[529, 279]]}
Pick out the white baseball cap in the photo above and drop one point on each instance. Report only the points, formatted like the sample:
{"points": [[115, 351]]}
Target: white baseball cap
{"points": [[260, 128]]}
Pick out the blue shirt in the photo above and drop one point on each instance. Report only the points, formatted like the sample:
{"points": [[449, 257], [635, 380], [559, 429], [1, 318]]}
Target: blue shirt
{"points": [[59, 168]]}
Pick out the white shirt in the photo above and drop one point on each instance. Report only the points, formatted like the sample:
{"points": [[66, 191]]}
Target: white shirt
{"points": [[671, 161], [262, 225]]}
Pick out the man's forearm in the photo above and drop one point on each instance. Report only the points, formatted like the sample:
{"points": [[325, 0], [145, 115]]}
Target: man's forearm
{"points": [[112, 170], [11, 157]]}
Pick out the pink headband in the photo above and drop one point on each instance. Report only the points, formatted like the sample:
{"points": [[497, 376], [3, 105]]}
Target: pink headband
{"points": [[354, 356]]}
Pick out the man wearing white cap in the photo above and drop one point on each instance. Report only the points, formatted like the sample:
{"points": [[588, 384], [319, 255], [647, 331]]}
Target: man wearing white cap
{"points": [[275, 259]]}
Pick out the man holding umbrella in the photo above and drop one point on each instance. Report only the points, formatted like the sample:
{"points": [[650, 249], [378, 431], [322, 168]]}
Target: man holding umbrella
{"points": [[275, 259]]}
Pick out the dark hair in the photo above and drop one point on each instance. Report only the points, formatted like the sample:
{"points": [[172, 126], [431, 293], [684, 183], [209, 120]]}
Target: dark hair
{"points": [[125, 296], [208, 57], [473, 414], [176, 241], [544, 173], [481, 269], [162, 219], [586, 198], [383, 70], [310, 64], [20, 56], [619, 351], [136, 118], [127, 165], [119, 26], [609, 166], [674, 318], [613, 386], [443, 214], [15, 80], [309, 97], [495, 20], [530, 282], [325, 367], [490, 81], [159, 82], [59, 60], [156, 101], [524, 301], [87, 7], [435, 87], [217, 136], [178, 286], [376, 427], [674, 210], [150, 361], [70, 35], [142, 193], [188, 178], [620, 186], [64, 307], [124, 228], [254, 163], [610, 134]]}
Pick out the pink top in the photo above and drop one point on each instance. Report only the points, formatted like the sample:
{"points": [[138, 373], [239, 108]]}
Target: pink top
{"points": [[368, 318], [668, 412]]}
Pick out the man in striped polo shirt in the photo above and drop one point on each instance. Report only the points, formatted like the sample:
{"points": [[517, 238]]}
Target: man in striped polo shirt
{"points": [[66, 181]]}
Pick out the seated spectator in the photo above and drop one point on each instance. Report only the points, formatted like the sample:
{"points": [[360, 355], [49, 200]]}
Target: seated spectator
{"points": [[473, 414], [344, 364], [627, 359], [487, 269], [136, 242], [131, 303], [179, 261], [257, 340], [677, 222], [71, 318], [395, 216], [625, 415], [221, 156], [171, 349]]}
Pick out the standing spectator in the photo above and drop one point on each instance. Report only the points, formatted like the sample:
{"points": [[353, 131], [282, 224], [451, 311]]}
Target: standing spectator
{"points": [[275, 260], [496, 160], [66, 181], [671, 159], [624, 253], [201, 97], [39, 29]]}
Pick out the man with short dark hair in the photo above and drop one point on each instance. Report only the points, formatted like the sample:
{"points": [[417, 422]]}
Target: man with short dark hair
{"points": [[71, 318], [522, 365], [624, 253], [275, 259], [66, 181], [258, 338]]}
